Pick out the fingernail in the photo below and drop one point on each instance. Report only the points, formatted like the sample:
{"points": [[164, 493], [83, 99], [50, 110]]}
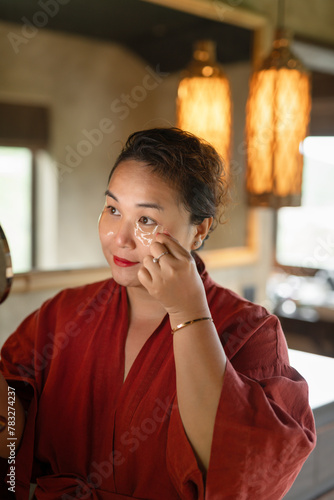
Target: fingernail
{"points": [[165, 232]]}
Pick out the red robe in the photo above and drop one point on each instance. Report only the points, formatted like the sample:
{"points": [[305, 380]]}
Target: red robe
{"points": [[90, 436]]}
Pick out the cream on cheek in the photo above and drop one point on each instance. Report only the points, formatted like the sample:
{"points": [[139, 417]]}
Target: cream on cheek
{"points": [[106, 228], [146, 235]]}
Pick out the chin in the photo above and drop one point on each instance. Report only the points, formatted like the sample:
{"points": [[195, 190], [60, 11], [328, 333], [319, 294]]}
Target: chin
{"points": [[124, 276]]}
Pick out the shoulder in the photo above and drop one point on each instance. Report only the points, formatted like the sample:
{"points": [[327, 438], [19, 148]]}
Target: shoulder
{"points": [[249, 333], [229, 309], [82, 293], [71, 302], [70, 312], [230, 306]]}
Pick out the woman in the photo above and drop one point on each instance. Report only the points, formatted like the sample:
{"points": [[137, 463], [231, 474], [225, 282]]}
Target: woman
{"points": [[157, 384]]}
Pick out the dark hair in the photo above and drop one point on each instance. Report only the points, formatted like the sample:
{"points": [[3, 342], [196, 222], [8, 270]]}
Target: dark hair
{"points": [[188, 164]]}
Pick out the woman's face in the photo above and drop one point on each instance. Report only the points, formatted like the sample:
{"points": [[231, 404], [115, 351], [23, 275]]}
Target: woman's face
{"points": [[138, 204]]}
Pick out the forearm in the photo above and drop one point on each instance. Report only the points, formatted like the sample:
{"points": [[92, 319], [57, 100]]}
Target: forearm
{"points": [[200, 365], [12, 410]]}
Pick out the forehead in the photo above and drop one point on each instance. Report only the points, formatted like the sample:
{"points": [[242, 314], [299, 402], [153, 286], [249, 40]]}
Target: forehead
{"points": [[133, 182], [139, 177]]}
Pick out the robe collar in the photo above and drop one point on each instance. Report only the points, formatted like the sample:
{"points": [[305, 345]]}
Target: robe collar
{"points": [[201, 269]]}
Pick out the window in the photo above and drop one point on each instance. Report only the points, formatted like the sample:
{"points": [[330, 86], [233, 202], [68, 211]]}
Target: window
{"points": [[28, 186], [305, 235], [16, 204]]}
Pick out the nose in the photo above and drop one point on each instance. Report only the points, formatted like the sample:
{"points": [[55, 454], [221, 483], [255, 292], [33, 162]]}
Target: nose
{"points": [[124, 234]]}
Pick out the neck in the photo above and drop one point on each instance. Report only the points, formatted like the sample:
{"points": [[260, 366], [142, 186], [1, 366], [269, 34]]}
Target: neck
{"points": [[142, 306]]}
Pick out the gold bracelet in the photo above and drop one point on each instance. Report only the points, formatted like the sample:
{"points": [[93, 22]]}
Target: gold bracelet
{"points": [[182, 325]]}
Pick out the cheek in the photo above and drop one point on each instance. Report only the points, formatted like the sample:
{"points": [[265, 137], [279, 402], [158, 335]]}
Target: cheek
{"points": [[105, 245], [105, 239], [106, 226], [184, 235], [146, 235]]}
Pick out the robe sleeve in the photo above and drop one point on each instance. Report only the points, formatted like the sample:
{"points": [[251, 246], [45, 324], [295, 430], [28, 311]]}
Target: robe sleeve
{"points": [[264, 428], [22, 367]]}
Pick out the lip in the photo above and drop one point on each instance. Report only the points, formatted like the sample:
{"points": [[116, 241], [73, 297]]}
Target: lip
{"points": [[123, 262]]}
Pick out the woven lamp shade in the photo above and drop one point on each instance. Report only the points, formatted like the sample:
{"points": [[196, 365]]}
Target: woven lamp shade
{"points": [[277, 118], [204, 100]]}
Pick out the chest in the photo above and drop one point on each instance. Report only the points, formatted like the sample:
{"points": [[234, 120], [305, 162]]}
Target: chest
{"points": [[99, 414], [137, 336]]}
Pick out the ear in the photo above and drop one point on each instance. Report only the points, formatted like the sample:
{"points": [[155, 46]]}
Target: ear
{"points": [[202, 230]]}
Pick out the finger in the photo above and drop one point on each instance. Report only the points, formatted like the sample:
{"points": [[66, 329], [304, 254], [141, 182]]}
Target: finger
{"points": [[158, 249], [145, 276], [153, 268], [173, 246]]}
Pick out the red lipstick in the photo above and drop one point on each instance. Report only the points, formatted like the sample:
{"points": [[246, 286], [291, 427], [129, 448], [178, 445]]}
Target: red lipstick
{"points": [[123, 262]]}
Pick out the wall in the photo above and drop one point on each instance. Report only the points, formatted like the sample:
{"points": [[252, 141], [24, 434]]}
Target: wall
{"points": [[80, 80], [99, 93], [306, 18]]}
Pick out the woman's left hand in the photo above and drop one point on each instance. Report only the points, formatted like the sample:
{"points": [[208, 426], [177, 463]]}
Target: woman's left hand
{"points": [[174, 280]]}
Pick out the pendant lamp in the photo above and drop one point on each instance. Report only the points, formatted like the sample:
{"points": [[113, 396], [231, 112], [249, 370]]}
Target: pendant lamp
{"points": [[277, 117], [204, 105]]}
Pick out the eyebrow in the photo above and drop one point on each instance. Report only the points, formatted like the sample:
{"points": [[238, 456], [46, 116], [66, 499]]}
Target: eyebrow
{"points": [[156, 206]]}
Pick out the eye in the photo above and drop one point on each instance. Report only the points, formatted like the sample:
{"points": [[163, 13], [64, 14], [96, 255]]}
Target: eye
{"points": [[112, 210], [147, 221]]}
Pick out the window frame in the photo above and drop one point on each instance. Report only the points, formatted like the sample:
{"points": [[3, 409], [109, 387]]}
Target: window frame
{"points": [[289, 269], [16, 132], [294, 270], [33, 151], [321, 121]]}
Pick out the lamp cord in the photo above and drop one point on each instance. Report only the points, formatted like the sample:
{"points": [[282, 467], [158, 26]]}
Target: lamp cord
{"points": [[280, 13]]}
